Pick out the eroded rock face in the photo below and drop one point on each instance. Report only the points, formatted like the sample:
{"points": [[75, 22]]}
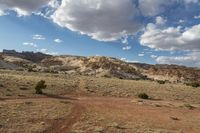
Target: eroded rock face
{"points": [[173, 73], [7, 65], [99, 66]]}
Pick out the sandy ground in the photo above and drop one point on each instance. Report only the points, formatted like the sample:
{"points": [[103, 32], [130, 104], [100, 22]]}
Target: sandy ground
{"points": [[106, 114]]}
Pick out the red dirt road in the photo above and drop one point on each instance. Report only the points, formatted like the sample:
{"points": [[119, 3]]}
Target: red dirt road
{"points": [[152, 114]]}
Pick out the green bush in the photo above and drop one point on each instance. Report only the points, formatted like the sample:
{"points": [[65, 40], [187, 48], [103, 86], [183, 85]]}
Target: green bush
{"points": [[40, 86], [143, 96], [161, 81], [194, 84]]}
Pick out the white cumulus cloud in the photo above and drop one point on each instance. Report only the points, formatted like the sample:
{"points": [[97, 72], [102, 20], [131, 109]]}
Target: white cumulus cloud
{"points": [[23, 7], [43, 50], [191, 59], [129, 61], [197, 17], [30, 44], [103, 20], [171, 38], [2, 13], [141, 55], [127, 48], [181, 21], [46, 51], [38, 37], [153, 56], [58, 40], [160, 20], [153, 7]]}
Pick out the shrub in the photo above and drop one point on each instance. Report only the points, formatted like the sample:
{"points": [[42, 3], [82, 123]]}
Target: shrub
{"points": [[194, 84], [107, 76], [1, 85], [188, 106], [143, 96], [23, 88], [161, 81], [40, 86]]}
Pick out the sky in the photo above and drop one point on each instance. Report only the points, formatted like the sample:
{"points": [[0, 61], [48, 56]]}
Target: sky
{"points": [[145, 31]]}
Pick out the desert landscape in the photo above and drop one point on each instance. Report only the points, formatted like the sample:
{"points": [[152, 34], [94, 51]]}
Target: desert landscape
{"points": [[99, 66], [96, 95]]}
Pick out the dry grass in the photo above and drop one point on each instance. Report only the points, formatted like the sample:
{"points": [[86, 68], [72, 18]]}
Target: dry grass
{"points": [[21, 84], [31, 115], [103, 111], [131, 88]]}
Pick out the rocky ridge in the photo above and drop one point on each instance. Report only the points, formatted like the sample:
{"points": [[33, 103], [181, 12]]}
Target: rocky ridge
{"points": [[98, 66]]}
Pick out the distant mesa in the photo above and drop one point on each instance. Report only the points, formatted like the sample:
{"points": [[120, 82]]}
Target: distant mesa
{"points": [[9, 51], [34, 57]]}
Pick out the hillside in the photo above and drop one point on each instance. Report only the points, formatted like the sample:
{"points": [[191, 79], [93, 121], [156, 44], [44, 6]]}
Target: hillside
{"points": [[173, 73], [98, 66]]}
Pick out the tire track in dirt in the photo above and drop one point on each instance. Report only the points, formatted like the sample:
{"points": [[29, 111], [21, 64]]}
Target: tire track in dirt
{"points": [[65, 125], [61, 125]]}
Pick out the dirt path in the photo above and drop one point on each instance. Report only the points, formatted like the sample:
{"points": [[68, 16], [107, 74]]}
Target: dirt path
{"points": [[155, 114], [64, 125]]}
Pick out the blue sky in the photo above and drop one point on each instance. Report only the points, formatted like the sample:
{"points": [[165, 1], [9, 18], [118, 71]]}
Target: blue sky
{"points": [[149, 31]]}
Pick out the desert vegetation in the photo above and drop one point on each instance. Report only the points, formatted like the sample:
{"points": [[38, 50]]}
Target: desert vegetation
{"points": [[40, 86], [65, 94], [79, 100], [193, 84], [161, 81], [143, 96]]}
